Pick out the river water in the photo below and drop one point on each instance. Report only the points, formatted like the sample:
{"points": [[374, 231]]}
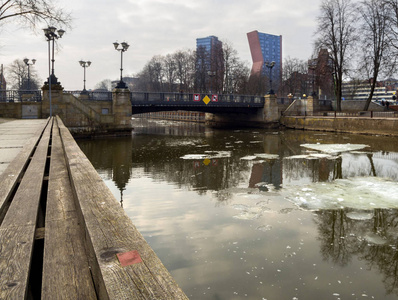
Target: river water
{"points": [[259, 214]]}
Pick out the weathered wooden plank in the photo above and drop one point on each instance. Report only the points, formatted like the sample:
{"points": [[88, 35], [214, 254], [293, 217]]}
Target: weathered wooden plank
{"points": [[110, 231], [18, 228], [66, 273], [15, 260], [30, 187], [10, 177]]}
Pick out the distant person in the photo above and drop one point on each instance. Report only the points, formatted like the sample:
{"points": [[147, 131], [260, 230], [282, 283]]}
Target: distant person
{"points": [[382, 102], [387, 104]]}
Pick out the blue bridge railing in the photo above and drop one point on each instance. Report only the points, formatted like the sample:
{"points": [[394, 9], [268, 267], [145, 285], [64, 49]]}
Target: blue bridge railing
{"points": [[149, 98]]}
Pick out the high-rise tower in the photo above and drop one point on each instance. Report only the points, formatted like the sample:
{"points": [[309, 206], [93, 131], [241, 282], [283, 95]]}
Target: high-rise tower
{"points": [[209, 63], [265, 48]]}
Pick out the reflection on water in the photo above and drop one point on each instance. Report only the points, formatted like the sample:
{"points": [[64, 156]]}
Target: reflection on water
{"points": [[260, 214]]}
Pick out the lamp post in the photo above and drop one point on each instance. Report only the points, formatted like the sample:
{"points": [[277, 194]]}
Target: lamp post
{"points": [[26, 61], [124, 46], [84, 64], [52, 34], [270, 65]]}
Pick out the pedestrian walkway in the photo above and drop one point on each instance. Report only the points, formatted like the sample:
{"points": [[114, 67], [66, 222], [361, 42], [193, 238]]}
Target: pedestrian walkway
{"points": [[62, 232], [14, 134]]}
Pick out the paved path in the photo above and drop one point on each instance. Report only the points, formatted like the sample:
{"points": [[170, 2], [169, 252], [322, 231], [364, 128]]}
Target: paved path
{"points": [[13, 136]]}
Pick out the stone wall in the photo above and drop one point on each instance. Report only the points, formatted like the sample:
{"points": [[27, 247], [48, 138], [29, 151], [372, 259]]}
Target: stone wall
{"points": [[24, 110], [365, 125], [80, 115], [11, 110], [357, 105]]}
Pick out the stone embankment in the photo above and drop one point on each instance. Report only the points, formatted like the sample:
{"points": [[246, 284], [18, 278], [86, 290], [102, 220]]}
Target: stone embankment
{"points": [[361, 125]]}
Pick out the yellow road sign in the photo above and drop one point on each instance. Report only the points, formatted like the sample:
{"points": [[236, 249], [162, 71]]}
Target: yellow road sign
{"points": [[206, 99]]}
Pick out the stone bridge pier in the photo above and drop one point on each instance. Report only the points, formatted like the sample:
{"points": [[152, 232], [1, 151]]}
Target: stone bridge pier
{"points": [[265, 117], [84, 116]]}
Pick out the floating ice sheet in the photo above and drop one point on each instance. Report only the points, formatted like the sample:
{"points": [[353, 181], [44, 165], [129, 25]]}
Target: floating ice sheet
{"points": [[260, 156], [334, 148], [194, 156], [248, 157], [375, 239], [364, 193], [267, 156], [208, 154], [360, 215], [312, 156]]}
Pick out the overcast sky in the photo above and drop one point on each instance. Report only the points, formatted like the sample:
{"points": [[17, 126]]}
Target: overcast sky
{"points": [[157, 27]]}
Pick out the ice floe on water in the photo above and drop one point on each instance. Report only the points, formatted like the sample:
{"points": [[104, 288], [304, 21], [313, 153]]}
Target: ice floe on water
{"points": [[363, 193], [373, 238], [207, 154], [312, 156], [248, 212], [260, 156], [266, 156], [264, 228], [248, 157], [334, 148], [251, 211], [360, 215]]}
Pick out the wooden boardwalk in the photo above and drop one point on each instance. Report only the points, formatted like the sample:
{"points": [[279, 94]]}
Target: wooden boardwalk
{"points": [[62, 233]]}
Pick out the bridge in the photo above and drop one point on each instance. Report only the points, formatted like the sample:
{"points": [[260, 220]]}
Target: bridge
{"points": [[107, 111], [143, 102]]}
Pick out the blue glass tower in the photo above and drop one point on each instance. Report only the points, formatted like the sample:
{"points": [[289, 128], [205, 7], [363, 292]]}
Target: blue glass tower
{"points": [[265, 48], [211, 45], [209, 63]]}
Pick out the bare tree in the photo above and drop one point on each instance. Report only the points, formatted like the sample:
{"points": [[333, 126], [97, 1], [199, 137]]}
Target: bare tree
{"points": [[105, 84], [151, 78], [185, 63], [337, 32], [236, 73], [31, 13], [170, 68], [188, 71], [18, 77], [393, 7], [294, 77], [240, 78], [375, 41]]}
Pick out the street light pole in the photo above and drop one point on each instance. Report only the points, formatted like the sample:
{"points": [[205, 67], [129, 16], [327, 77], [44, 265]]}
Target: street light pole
{"points": [[84, 64], [26, 61], [270, 65], [121, 84], [52, 34]]}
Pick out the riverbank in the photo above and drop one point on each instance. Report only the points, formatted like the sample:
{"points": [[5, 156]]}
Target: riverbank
{"points": [[361, 125]]}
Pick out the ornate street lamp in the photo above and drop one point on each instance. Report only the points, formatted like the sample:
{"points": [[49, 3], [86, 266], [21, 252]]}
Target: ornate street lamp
{"points": [[26, 61], [124, 46], [84, 64], [270, 65], [52, 34]]}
